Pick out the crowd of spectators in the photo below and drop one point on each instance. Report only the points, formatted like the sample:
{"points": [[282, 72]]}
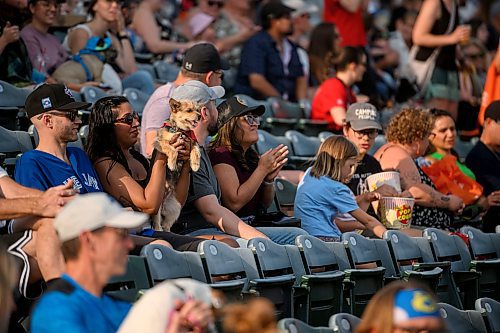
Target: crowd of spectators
{"points": [[352, 71]]}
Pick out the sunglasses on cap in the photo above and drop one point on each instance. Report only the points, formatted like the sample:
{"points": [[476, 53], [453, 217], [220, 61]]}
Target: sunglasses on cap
{"points": [[252, 119], [212, 3], [128, 119]]}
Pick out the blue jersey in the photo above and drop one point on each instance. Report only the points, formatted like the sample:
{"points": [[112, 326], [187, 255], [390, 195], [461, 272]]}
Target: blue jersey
{"points": [[41, 170], [319, 201], [67, 307]]}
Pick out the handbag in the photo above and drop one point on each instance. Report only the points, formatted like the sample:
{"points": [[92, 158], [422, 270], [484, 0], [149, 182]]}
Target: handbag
{"points": [[423, 70]]}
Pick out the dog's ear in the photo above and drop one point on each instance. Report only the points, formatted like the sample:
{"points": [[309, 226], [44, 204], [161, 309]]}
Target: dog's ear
{"points": [[174, 105]]}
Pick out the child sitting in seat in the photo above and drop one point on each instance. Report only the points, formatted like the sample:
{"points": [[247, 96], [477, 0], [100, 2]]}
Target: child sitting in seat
{"points": [[322, 195]]}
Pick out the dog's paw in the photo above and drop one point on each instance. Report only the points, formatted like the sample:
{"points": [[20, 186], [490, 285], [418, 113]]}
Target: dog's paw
{"points": [[195, 158]]}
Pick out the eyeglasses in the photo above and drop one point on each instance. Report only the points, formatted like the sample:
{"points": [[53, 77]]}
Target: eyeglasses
{"points": [[475, 55], [252, 120], [219, 4], [128, 119], [220, 73], [306, 15], [71, 115], [370, 133]]}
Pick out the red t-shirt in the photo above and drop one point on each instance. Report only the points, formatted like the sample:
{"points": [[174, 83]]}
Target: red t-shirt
{"points": [[331, 93], [350, 25]]}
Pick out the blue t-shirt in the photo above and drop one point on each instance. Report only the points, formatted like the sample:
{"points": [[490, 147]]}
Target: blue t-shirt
{"points": [[261, 56], [67, 307], [41, 170], [318, 201]]}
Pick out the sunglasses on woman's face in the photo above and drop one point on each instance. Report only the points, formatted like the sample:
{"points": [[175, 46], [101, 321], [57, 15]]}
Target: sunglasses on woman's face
{"points": [[219, 4], [128, 119], [252, 120]]}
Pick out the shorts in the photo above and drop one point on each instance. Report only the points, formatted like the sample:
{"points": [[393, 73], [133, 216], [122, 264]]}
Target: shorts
{"points": [[444, 85], [14, 244]]}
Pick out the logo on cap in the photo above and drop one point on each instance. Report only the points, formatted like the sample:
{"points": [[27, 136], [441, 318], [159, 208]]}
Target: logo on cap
{"points": [[46, 103], [68, 92], [241, 101], [366, 114], [188, 66]]}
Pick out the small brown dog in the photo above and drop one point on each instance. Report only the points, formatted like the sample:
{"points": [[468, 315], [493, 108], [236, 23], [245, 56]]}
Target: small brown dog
{"points": [[184, 116]]}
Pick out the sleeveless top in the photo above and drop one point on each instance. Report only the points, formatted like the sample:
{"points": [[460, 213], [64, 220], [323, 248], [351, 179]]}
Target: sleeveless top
{"points": [[431, 217], [446, 58]]}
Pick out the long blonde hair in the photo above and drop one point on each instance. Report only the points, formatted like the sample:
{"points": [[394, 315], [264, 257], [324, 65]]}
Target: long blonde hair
{"points": [[331, 156]]}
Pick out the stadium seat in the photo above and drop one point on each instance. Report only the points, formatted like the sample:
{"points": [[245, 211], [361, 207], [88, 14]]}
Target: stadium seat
{"points": [[285, 193], [166, 72], [343, 323], [13, 143], [84, 134], [324, 135], [148, 68], [380, 140], [268, 141], [452, 248], [128, 287], [291, 325], [166, 263], [490, 310], [92, 94], [413, 257], [137, 99], [12, 115], [327, 257], [303, 146], [497, 229], [462, 321]]}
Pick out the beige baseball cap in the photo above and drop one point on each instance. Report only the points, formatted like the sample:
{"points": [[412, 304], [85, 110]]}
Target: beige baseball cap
{"points": [[88, 212]]}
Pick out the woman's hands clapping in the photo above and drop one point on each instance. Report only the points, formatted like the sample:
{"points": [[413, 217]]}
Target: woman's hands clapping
{"points": [[272, 161]]}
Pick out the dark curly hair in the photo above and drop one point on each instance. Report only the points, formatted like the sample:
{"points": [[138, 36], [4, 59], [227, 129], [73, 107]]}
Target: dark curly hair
{"points": [[102, 140], [408, 126], [227, 138]]}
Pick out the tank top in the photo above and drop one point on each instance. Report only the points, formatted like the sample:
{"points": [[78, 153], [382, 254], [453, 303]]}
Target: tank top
{"points": [[446, 58]]}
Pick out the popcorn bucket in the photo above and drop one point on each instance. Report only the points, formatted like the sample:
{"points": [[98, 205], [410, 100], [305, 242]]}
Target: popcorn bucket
{"points": [[389, 177], [395, 213]]}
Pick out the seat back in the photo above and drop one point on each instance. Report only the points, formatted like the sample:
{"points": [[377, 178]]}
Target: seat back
{"points": [[406, 250], [449, 248], [292, 325], [92, 94], [491, 311], [166, 263], [365, 251], [220, 260], [285, 192], [136, 98], [344, 323], [268, 141], [272, 259], [284, 109], [13, 143], [462, 321], [304, 146], [136, 279], [12, 96], [316, 256], [483, 245], [322, 136], [165, 71]]}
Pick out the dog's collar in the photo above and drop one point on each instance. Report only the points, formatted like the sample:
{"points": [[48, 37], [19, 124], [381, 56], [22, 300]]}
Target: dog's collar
{"points": [[172, 129]]}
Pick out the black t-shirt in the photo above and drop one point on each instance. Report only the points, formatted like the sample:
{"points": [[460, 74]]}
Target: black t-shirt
{"points": [[367, 167], [486, 166]]}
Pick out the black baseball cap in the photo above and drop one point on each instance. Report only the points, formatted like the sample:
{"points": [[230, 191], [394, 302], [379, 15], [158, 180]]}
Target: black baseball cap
{"points": [[236, 106], [274, 10], [493, 111], [203, 58], [48, 97]]}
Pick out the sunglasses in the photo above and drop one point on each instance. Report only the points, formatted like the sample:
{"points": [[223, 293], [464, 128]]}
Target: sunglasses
{"points": [[475, 55], [252, 120], [219, 4], [128, 119], [71, 115], [371, 134]]}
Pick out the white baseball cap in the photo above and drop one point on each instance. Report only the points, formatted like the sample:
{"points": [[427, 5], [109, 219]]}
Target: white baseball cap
{"points": [[197, 91], [88, 212], [301, 7]]}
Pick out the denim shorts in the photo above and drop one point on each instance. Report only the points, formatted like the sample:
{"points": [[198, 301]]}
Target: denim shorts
{"points": [[444, 85]]}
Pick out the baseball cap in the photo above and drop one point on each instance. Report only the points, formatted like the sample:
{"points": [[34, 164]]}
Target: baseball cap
{"points": [[301, 7], [362, 116], [493, 111], [199, 22], [413, 304], [203, 58], [48, 97], [88, 212], [274, 10], [236, 106], [197, 92]]}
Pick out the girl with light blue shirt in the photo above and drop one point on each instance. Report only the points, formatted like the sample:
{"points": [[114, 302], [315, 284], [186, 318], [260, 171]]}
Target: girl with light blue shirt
{"points": [[322, 194]]}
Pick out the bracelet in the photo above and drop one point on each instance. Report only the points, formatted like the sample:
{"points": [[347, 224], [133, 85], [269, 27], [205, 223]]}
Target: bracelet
{"points": [[122, 36], [266, 183]]}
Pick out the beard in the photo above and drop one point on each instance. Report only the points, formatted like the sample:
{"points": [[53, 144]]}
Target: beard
{"points": [[213, 128]]}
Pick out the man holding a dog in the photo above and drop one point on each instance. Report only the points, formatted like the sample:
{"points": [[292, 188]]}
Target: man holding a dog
{"points": [[203, 214], [201, 62]]}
